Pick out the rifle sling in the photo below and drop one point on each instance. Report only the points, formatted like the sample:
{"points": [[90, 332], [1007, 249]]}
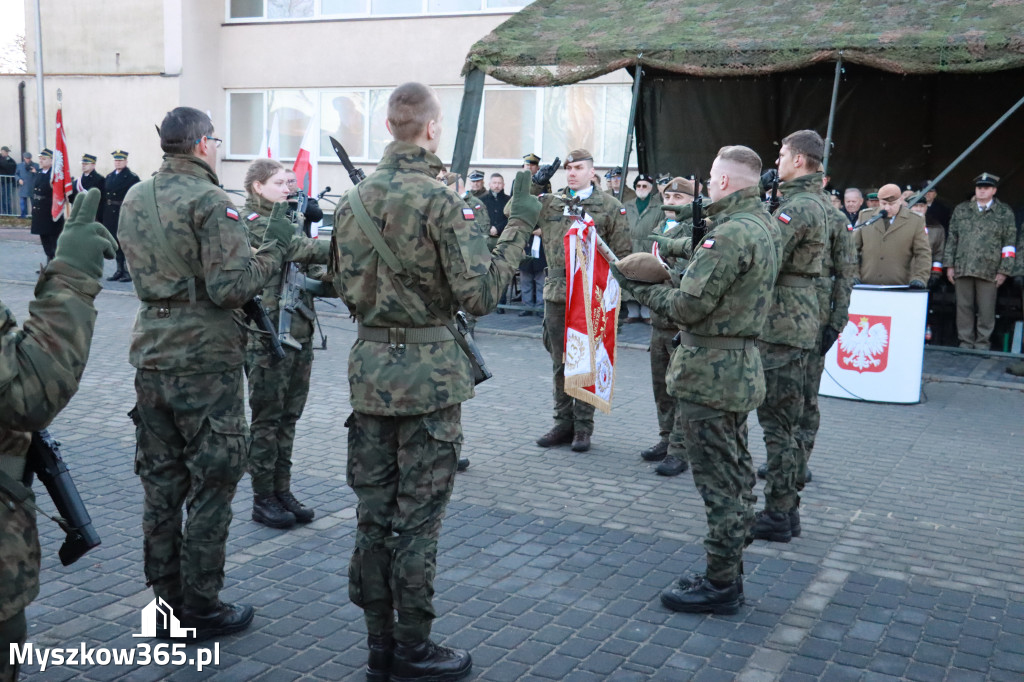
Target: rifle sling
{"points": [[391, 260], [22, 494]]}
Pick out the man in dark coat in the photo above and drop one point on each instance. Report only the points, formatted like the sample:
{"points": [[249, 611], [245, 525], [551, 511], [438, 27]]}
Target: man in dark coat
{"points": [[43, 223], [116, 187]]}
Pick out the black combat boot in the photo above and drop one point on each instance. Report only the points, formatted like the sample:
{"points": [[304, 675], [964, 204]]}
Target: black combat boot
{"points": [[703, 596], [463, 464], [382, 652], [302, 513], [671, 466], [580, 442], [116, 277], [773, 526], [222, 619], [655, 453], [427, 661], [266, 509], [686, 582], [560, 435]]}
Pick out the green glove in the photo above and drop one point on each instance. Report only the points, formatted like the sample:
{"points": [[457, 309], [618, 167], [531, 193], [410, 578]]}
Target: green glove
{"points": [[669, 246], [84, 243], [523, 205], [279, 227]]}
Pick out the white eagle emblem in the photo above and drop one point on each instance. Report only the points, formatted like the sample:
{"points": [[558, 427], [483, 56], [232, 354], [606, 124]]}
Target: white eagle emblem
{"points": [[864, 346], [58, 167]]}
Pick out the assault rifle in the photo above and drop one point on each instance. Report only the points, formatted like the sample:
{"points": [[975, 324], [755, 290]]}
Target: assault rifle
{"points": [[700, 224], [293, 283], [255, 312], [44, 461]]}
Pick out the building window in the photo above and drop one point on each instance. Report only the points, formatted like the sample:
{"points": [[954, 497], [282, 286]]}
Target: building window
{"points": [[513, 122], [278, 10]]}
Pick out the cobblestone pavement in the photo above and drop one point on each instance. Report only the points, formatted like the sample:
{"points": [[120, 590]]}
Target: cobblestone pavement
{"points": [[909, 566]]}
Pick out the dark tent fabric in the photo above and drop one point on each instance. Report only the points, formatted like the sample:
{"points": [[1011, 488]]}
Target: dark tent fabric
{"points": [[922, 79]]}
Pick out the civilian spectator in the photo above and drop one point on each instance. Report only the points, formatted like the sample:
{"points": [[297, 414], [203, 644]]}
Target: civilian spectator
{"points": [[494, 201], [853, 202], [893, 249], [25, 172], [7, 168]]}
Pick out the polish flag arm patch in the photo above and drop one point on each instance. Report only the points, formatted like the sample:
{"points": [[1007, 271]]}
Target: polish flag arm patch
{"points": [[467, 214], [784, 217], [622, 211], [252, 216], [708, 243], [231, 213], [1009, 252]]}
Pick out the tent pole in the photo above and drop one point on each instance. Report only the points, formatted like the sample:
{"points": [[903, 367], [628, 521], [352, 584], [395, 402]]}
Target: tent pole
{"points": [[469, 117], [956, 162], [832, 113], [629, 130]]}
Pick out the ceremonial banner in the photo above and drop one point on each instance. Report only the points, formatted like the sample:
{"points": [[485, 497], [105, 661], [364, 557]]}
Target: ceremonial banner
{"points": [[880, 353], [591, 316], [61, 176]]}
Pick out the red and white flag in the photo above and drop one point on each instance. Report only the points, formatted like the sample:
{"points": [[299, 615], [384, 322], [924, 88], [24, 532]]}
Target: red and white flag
{"points": [[60, 178], [591, 316], [305, 162], [273, 145]]}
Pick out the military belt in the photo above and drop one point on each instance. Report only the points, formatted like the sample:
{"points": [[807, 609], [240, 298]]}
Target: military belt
{"points": [[164, 308], [795, 281], [397, 336], [715, 342]]}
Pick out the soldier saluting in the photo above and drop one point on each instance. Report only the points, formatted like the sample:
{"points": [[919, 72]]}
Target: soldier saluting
{"points": [[115, 189]]}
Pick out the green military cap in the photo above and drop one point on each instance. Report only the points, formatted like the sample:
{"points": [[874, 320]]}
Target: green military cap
{"points": [[120, 155], [872, 195], [987, 179], [531, 158], [88, 158], [578, 155], [47, 153]]}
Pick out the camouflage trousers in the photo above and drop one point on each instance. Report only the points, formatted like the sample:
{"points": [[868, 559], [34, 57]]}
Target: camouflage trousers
{"points": [[277, 396], [402, 470], [14, 630], [779, 416], [716, 447], [191, 436], [810, 418], [570, 412], [661, 354]]}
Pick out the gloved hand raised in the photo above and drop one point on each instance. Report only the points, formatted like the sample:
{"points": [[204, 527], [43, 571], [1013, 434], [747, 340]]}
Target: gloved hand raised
{"points": [[84, 243], [669, 246], [545, 173], [280, 227], [523, 205]]}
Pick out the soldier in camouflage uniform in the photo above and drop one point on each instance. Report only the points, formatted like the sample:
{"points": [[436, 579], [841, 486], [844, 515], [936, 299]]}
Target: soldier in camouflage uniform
{"points": [[670, 451], [980, 254], [838, 269], [408, 377], [193, 269], [574, 419], [277, 388], [40, 365], [721, 306], [792, 329]]}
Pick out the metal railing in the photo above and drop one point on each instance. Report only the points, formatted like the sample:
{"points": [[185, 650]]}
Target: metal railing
{"points": [[9, 203]]}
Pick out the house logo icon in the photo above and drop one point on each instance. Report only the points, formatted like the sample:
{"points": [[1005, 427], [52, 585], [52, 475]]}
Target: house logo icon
{"points": [[158, 615]]}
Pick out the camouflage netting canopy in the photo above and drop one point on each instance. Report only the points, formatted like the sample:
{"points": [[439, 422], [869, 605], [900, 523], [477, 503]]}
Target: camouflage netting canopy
{"points": [[557, 42]]}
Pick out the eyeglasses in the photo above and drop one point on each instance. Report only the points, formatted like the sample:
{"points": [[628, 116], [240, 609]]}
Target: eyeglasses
{"points": [[215, 140]]}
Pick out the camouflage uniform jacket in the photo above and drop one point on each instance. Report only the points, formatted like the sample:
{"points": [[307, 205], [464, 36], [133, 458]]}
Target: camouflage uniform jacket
{"points": [[726, 290], [682, 229], [435, 236], [40, 365], [609, 218], [641, 224], [802, 218], [302, 250], [977, 242], [201, 223], [838, 269]]}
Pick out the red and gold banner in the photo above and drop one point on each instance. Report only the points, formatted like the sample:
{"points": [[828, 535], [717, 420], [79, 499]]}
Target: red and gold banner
{"points": [[61, 177], [591, 316]]}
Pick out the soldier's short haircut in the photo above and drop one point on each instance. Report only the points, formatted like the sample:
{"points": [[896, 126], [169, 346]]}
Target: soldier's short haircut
{"points": [[743, 156], [808, 143], [410, 108], [260, 171], [181, 128], [498, 175]]}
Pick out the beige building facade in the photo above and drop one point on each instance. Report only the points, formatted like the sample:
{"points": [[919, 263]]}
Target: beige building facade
{"points": [[263, 66]]}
